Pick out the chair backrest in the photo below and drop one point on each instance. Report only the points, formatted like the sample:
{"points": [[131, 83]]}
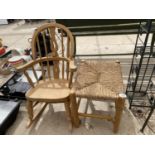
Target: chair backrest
{"points": [[52, 39], [48, 71]]}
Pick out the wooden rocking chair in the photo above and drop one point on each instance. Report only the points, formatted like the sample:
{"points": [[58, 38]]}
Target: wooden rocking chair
{"points": [[52, 51], [49, 89]]}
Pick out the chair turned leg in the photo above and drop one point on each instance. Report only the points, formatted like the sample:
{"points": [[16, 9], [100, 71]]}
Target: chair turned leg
{"points": [[74, 109], [30, 112], [119, 105], [69, 116]]}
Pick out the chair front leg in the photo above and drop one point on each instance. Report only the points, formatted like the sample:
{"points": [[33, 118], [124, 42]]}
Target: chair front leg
{"points": [[29, 106], [74, 109]]}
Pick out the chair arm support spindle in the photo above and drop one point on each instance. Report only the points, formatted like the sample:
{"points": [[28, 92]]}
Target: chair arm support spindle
{"points": [[72, 66]]}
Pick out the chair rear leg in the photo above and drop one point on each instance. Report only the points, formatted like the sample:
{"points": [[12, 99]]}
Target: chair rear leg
{"points": [[88, 110], [51, 108]]}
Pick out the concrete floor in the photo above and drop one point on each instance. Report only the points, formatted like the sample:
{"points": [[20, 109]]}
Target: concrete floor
{"points": [[16, 35]]}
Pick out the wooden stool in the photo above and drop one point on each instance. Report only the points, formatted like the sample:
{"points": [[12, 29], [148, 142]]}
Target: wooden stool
{"points": [[101, 80]]}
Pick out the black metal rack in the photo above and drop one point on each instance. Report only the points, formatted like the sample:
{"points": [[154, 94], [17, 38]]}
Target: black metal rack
{"points": [[141, 82]]}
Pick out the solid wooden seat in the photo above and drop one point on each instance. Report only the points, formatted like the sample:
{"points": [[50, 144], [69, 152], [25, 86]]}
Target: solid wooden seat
{"points": [[51, 90]]}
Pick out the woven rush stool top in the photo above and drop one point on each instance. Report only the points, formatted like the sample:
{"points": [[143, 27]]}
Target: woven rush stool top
{"points": [[98, 79]]}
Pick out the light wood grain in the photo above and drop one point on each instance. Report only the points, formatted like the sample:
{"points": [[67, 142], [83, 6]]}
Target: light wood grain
{"points": [[47, 90], [51, 28], [55, 86]]}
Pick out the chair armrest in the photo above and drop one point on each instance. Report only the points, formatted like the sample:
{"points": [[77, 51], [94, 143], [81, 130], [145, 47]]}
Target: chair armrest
{"points": [[25, 66], [72, 66]]}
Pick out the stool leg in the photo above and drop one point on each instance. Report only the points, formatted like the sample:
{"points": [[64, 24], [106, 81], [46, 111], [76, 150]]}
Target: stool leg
{"points": [[119, 105], [74, 109], [29, 106]]}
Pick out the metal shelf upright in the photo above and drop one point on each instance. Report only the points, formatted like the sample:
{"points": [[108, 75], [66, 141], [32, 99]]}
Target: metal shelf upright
{"points": [[141, 82]]}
